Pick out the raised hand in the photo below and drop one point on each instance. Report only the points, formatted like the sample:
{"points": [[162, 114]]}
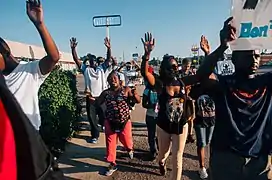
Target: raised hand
{"points": [[34, 11], [73, 42], [148, 43], [228, 33], [107, 43], [204, 45]]}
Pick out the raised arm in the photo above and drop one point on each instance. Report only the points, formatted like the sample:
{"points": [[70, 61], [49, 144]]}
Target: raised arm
{"points": [[149, 44], [121, 67], [106, 64], [137, 67], [108, 46], [227, 34], [35, 14], [205, 46], [73, 45]]}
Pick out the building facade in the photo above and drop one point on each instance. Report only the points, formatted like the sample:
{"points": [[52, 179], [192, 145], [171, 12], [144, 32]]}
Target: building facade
{"points": [[32, 52]]}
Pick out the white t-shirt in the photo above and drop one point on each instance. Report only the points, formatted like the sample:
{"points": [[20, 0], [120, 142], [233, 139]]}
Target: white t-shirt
{"points": [[24, 83], [94, 80]]}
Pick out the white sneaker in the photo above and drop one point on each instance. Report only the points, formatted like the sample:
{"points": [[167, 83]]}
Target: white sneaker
{"points": [[130, 154], [203, 173]]}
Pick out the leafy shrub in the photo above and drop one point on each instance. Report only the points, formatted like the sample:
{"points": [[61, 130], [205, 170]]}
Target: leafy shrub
{"points": [[59, 108]]}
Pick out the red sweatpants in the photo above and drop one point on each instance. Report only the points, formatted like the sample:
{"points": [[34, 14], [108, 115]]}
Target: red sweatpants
{"points": [[124, 136]]}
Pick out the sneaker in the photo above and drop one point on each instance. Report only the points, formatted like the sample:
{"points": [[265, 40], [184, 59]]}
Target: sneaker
{"points": [[130, 154], [111, 169], [94, 141], [163, 169], [203, 173], [190, 139]]}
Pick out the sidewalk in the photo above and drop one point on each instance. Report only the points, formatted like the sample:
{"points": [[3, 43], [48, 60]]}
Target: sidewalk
{"points": [[83, 160]]}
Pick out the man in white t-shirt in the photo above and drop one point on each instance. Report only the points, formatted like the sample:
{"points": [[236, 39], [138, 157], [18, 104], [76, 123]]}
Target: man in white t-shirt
{"points": [[95, 81], [25, 78]]}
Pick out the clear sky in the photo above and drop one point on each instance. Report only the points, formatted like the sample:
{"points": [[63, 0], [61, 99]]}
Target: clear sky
{"points": [[176, 24]]}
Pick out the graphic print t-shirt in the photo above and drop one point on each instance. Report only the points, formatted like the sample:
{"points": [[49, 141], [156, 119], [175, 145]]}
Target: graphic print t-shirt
{"points": [[204, 106], [171, 110]]}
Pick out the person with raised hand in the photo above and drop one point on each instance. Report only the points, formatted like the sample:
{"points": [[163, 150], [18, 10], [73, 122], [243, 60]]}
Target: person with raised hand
{"points": [[204, 117], [95, 82], [241, 146], [204, 45], [25, 78], [173, 110]]}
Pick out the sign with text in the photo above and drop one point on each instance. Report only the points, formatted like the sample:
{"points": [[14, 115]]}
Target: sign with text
{"points": [[104, 21], [253, 21]]}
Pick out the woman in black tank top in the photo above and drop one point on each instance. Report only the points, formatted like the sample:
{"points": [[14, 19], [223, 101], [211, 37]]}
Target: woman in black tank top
{"points": [[172, 110]]}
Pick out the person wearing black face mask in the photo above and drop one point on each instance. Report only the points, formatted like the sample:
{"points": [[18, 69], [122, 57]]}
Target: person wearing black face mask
{"points": [[173, 111], [95, 79]]}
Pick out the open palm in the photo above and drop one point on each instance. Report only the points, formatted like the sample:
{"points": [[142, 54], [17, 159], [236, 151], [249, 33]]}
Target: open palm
{"points": [[34, 11], [107, 42], [148, 43], [204, 45], [73, 42]]}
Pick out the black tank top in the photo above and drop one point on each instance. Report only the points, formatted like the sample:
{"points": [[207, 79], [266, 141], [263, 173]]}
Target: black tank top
{"points": [[171, 110]]}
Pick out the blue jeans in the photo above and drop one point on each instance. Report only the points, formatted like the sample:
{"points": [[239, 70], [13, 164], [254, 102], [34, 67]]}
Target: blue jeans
{"points": [[203, 136], [151, 129]]}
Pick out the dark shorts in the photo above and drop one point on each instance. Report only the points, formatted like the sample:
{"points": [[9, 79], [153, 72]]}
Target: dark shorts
{"points": [[231, 166]]}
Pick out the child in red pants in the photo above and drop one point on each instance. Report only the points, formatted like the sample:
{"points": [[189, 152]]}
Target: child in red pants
{"points": [[117, 119]]}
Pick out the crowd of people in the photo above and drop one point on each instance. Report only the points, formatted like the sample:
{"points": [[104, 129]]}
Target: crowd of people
{"points": [[231, 113]]}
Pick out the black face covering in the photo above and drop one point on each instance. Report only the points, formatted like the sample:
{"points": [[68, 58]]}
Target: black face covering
{"points": [[167, 71]]}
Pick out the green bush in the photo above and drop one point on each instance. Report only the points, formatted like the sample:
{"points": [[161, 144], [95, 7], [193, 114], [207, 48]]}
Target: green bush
{"points": [[59, 108]]}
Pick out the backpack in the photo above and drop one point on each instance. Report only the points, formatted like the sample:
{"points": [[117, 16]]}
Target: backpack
{"points": [[149, 104], [206, 107], [34, 160]]}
